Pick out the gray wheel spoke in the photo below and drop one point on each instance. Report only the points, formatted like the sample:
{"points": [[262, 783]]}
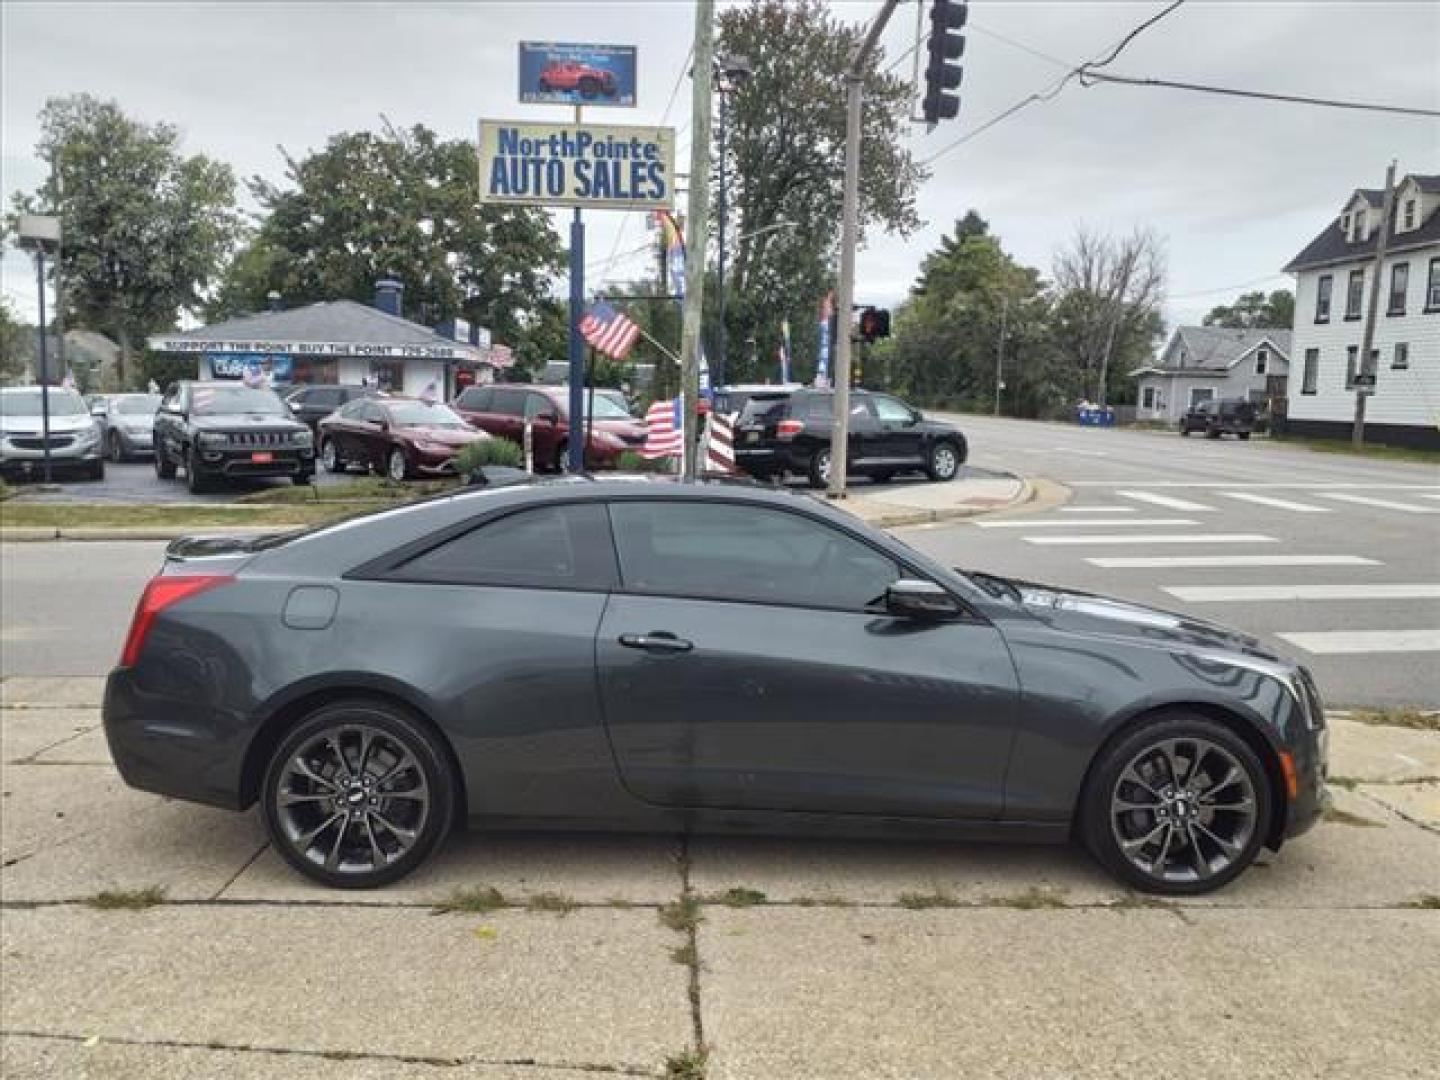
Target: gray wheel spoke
{"points": [[1159, 861], [332, 860], [1125, 805], [1232, 776], [300, 765], [367, 740], [376, 854], [1198, 860], [290, 798], [1133, 846], [332, 743], [405, 760], [304, 840], [404, 835], [1132, 774], [1229, 847]]}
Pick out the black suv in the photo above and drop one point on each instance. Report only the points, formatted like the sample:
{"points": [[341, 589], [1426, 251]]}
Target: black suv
{"points": [[314, 402], [788, 431], [1232, 416], [221, 430]]}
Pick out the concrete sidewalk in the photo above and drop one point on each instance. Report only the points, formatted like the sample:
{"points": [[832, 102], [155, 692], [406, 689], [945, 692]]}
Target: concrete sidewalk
{"points": [[793, 959], [893, 505]]}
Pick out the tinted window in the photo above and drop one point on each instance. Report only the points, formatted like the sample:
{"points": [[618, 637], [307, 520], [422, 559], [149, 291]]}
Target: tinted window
{"points": [[475, 398], [370, 412], [763, 407], [735, 552], [890, 410], [554, 547], [418, 414], [508, 402], [324, 399], [354, 409], [227, 400], [535, 404], [30, 402], [141, 405]]}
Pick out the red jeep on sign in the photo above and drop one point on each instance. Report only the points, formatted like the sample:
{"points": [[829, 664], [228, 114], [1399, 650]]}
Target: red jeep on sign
{"points": [[572, 75]]}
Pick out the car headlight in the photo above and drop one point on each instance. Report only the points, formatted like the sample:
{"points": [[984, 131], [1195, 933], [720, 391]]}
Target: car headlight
{"points": [[213, 438], [303, 438], [88, 436]]}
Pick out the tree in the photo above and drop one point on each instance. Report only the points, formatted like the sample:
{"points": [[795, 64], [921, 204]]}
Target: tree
{"points": [[1107, 307], [1255, 310], [784, 157], [146, 228], [17, 344], [404, 204]]}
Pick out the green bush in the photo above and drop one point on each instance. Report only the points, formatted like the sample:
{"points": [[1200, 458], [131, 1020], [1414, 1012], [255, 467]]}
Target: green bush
{"points": [[492, 451], [631, 461]]}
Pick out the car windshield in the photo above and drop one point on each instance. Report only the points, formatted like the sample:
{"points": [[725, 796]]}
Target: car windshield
{"points": [[221, 400], [28, 403], [418, 414], [138, 406], [606, 408]]}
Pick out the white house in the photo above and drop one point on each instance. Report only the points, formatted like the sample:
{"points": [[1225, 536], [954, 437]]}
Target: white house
{"points": [[1333, 278], [1204, 362]]}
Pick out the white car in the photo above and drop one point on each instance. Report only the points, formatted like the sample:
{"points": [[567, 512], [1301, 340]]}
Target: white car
{"points": [[75, 442]]}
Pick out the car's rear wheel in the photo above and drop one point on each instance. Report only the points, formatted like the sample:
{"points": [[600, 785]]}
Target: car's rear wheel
{"points": [[944, 463], [330, 457], [1184, 431], [589, 87], [164, 467], [116, 448], [97, 469], [1178, 806], [358, 795], [396, 467], [820, 468]]}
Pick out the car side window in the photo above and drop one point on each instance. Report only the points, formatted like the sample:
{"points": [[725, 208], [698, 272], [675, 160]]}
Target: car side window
{"points": [[535, 404], [890, 411], [476, 398], [749, 553], [508, 402], [352, 409], [552, 547]]}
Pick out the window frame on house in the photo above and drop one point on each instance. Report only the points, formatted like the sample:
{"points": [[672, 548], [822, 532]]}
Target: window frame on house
{"points": [[1399, 275], [1409, 214], [1400, 359], [1324, 295], [1208, 391], [1262, 360], [1352, 359], [1310, 373], [1432, 286], [1354, 297], [1147, 397]]}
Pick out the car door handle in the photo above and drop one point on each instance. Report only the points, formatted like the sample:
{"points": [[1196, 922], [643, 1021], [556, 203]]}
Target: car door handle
{"points": [[656, 641]]}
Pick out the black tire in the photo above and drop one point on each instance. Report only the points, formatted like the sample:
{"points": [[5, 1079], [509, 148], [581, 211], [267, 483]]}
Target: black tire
{"points": [[164, 467], [943, 462], [397, 467], [195, 478], [330, 457], [395, 732], [588, 88], [1097, 829], [300, 479], [97, 469], [1243, 436], [561, 464], [819, 468], [115, 447], [1184, 431], [1212, 433]]}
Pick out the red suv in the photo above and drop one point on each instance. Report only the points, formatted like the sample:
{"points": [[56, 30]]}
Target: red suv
{"points": [[572, 75], [503, 410]]}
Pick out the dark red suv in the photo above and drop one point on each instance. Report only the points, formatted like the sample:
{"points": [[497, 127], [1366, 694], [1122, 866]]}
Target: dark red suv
{"points": [[503, 410], [573, 75]]}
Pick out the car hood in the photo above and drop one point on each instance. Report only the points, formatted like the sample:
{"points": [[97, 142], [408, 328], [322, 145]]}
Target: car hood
{"points": [[625, 428], [1088, 613], [244, 422], [32, 425], [447, 436]]}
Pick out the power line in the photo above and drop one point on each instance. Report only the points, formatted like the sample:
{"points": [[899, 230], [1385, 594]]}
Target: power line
{"points": [[1226, 288], [1057, 86], [1088, 78]]}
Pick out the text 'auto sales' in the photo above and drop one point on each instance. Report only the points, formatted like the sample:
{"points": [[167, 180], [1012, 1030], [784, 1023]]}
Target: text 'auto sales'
{"points": [[576, 165]]}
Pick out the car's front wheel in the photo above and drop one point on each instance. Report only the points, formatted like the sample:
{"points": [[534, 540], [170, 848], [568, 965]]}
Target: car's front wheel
{"points": [[164, 467], [195, 479], [820, 468], [396, 467], [1178, 806], [944, 463], [116, 448], [358, 794], [330, 457]]}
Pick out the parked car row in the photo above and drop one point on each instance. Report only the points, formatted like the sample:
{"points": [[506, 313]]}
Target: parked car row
{"points": [[75, 437]]}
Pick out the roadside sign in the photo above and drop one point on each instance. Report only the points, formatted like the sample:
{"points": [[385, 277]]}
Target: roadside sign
{"points": [[595, 166], [557, 73], [1365, 379]]}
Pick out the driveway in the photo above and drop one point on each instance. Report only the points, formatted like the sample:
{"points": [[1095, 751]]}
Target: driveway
{"points": [[147, 937], [136, 482]]}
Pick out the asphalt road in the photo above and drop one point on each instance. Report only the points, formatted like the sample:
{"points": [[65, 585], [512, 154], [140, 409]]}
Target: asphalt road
{"points": [[1332, 559]]}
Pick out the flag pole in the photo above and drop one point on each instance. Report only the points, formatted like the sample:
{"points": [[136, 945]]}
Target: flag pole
{"points": [[669, 355]]}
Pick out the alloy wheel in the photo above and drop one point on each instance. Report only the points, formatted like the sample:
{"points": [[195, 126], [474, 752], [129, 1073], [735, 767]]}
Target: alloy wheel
{"points": [[944, 462], [352, 799], [397, 467], [1183, 810], [329, 457]]}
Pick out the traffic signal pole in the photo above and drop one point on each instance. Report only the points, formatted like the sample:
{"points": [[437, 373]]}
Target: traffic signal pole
{"points": [[849, 226]]}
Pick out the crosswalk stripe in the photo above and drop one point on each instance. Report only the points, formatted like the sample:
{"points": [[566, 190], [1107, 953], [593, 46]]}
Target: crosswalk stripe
{"points": [[1157, 538], [1298, 485], [1335, 642], [1103, 509], [1184, 562], [1424, 496], [1282, 504], [1167, 501], [1384, 504], [1046, 523], [1377, 590]]}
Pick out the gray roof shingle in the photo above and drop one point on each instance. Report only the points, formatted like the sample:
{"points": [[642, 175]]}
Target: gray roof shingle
{"points": [[1331, 246], [341, 321], [1215, 348]]}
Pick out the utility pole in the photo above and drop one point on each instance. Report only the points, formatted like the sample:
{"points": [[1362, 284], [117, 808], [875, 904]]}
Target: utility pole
{"points": [[1365, 386], [696, 225], [575, 450], [59, 318], [849, 226], [1000, 353]]}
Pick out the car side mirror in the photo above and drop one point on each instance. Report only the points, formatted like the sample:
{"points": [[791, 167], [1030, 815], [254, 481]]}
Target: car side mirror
{"points": [[912, 599]]}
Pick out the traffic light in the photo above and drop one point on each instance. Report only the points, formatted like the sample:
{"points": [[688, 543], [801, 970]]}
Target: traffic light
{"points": [[874, 324], [942, 74]]}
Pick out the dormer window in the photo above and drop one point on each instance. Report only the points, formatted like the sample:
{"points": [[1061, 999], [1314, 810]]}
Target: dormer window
{"points": [[1409, 216], [1345, 225], [1262, 360]]}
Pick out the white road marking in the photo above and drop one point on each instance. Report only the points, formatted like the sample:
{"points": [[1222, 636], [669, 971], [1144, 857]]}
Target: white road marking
{"points": [[1158, 538], [1283, 504], [1166, 501], [1105, 509], [1297, 485], [1045, 523], [1430, 496], [1384, 504], [1377, 590], [1178, 562], [1336, 642]]}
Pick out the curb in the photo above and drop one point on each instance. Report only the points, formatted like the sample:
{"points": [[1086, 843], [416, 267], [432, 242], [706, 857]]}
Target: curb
{"points": [[924, 517]]}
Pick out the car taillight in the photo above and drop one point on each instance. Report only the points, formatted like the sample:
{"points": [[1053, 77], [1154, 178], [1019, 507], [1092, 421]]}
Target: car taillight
{"points": [[788, 429], [161, 593]]}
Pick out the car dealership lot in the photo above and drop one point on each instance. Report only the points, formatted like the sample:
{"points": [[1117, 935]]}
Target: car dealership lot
{"points": [[811, 958]]}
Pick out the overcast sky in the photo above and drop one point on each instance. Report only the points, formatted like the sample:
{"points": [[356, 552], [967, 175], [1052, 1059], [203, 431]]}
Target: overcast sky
{"points": [[1235, 187]]}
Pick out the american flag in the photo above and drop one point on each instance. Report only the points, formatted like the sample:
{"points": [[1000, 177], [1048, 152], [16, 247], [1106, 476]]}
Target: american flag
{"points": [[609, 330], [662, 430]]}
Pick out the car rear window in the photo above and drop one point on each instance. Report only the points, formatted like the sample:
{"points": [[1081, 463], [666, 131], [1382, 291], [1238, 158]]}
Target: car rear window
{"points": [[762, 407]]}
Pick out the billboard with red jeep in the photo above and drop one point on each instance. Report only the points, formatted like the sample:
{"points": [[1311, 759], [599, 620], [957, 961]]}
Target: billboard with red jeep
{"points": [[557, 73]]}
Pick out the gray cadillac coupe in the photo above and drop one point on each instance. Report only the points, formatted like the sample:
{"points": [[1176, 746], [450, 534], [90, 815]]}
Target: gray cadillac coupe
{"points": [[630, 654]]}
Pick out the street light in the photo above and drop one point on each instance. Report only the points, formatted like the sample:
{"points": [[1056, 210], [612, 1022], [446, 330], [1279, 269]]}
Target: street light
{"points": [[730, 74], [41, 233]]}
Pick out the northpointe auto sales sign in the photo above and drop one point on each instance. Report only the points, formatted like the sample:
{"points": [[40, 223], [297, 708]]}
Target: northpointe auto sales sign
{"points": [[586, 165]]}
